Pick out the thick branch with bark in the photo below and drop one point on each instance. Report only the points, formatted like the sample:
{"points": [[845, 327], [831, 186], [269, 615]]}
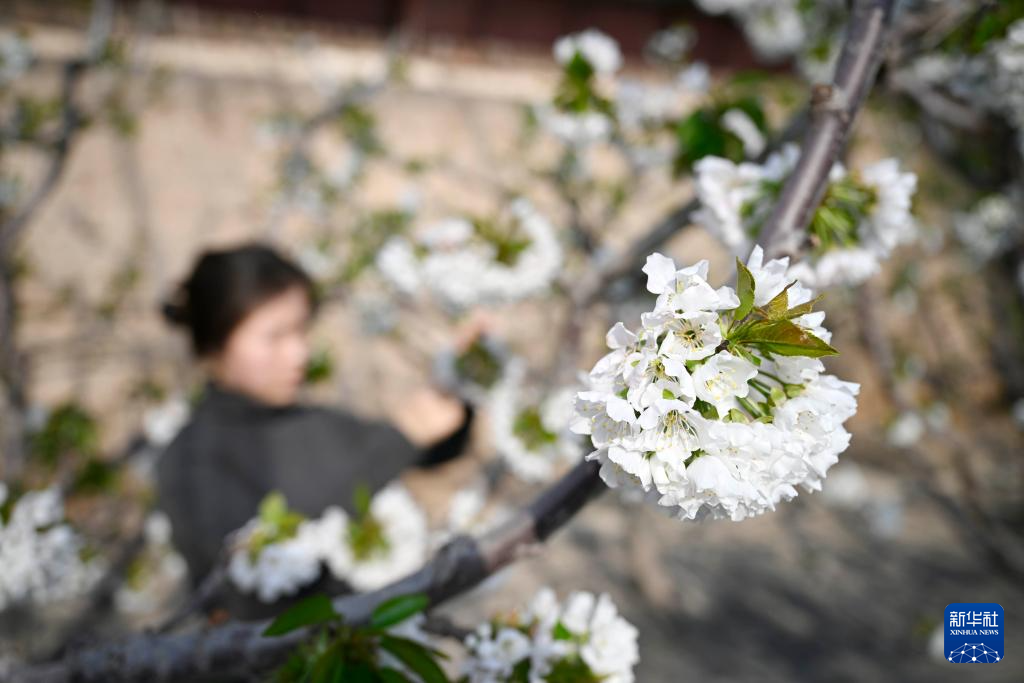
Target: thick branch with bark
{"points": [[239, 649]]}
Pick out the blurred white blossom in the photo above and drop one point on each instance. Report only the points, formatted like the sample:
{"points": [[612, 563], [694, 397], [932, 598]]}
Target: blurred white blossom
{"points": [[584, 639], [530, 430], [41, 556]]}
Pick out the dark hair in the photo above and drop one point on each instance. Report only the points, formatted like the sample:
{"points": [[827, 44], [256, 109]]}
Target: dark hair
{"points": [[225, 286]]}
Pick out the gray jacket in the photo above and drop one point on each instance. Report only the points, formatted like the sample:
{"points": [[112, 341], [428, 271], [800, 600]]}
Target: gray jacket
{"points": [[235, 450]]}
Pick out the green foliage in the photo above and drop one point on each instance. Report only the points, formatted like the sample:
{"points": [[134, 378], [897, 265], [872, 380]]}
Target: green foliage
{"points": [[314, 610], [505, 237], [744, 290], [702, 134], [419, 659], [576, 93], [572, 670], [359, 127], [95, 476], [398, 609], [530, 429], [365, 533], [69, 429], [845, 206], [368, 237], [987, 24], [341, 653], [478, 364], [320, 367], [32, 114], [770, 328], [276, 523]]}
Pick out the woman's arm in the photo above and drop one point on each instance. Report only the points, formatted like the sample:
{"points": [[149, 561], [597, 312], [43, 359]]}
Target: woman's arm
{"points": [[451, 446]]}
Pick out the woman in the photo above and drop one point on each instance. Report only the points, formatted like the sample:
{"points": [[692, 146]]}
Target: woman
{"points": [[247, 311]]}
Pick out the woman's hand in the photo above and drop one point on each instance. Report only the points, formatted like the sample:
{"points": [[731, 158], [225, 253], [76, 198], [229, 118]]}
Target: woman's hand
{"points": [[429, 416]]}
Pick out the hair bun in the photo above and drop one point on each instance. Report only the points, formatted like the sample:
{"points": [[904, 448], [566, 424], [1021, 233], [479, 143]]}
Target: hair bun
{"points": [[176, 310]]}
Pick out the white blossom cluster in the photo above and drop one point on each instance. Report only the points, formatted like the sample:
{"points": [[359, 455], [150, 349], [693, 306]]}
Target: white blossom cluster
{"points": [[718, 406], [585, 639], [991, 80], [466, 263], [990, 227], [865, 214], [40, 555], [778, 29], [581, 127], [15, 56], [370, 552], [531, 431], [367, 551], [473, 372], [1007, 58], [162, 423], [774, 28], [599, 50], [158, 570]]}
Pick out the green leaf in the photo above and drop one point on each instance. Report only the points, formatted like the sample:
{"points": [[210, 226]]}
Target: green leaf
{"points": [[700, 135], [273, 508], [361, 499], [397, 610], [706, 410], [803, 309], [744, 290], [357, 672], [389, 675], [745, 354], [786, 338], [560, 631], [313, 610], [330, 667], [418, 658], [777, 307]]}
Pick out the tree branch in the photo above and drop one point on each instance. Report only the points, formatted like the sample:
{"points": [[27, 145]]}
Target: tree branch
{"points": [[833, 109], [240, 649]]}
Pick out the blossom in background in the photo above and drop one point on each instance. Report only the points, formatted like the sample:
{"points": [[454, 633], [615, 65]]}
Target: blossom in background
{"points": [[863, 216], [531, 431], [580, 115], [318, 262], [275, 554], [465, 263], [599, 50], [384, 541], [720, 422], [780, 29], [583, 640], [906, 430], [155, 573], [163, 422], [41, 556], [15, 56], [280, 551], [1007, 83], [990, 227], [473, 372]]}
